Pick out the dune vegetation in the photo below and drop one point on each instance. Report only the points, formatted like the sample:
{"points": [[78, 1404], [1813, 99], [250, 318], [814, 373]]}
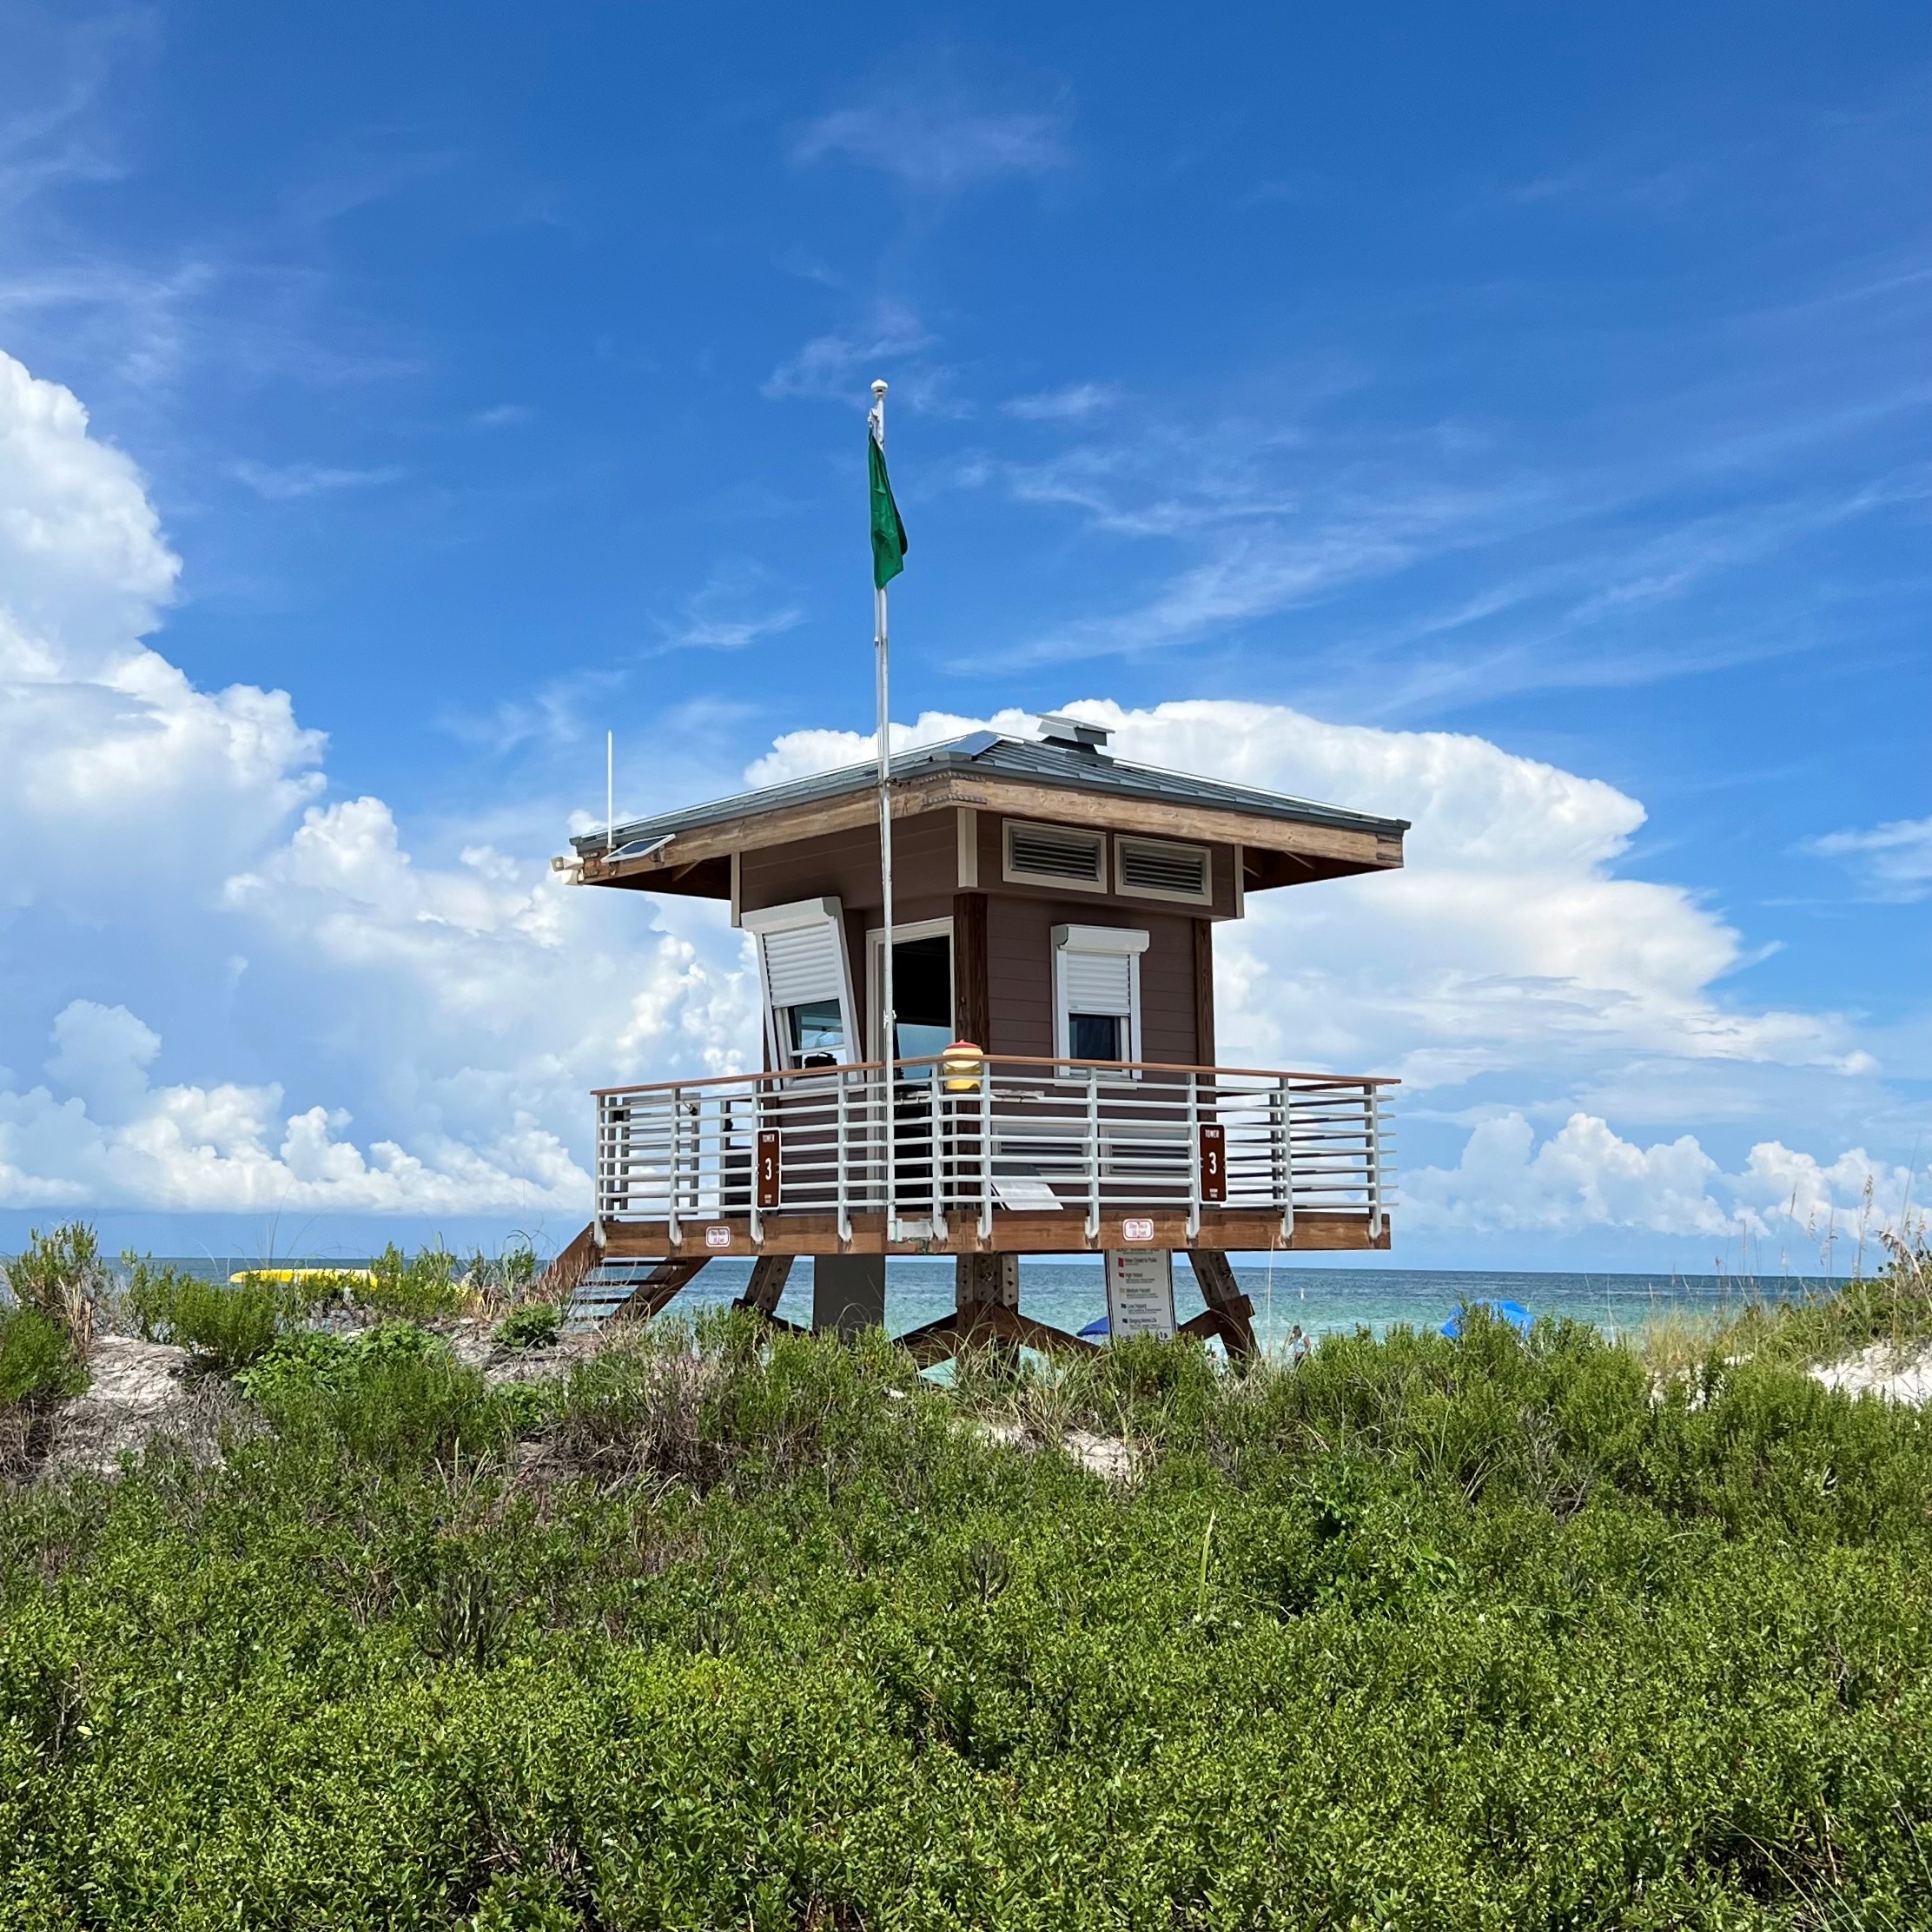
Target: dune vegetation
{"points": [[734, 1629]]}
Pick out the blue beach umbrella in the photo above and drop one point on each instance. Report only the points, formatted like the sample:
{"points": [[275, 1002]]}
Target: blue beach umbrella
{"points": [[1096, 1331], [1513, 1313]]}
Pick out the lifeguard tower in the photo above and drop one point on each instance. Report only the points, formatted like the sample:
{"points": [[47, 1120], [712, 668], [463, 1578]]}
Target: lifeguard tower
{"points": [[1052, 1088]]}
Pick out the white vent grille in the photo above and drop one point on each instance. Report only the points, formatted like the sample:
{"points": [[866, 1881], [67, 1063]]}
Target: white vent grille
{"points": [[1153, 868], [1057, 854]]}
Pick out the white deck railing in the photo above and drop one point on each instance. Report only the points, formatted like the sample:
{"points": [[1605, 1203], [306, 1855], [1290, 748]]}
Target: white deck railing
{"points": [[1024, 1136]]}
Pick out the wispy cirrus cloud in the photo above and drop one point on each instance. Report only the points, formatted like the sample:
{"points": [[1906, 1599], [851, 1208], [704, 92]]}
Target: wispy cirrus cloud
{"points": [[932, 137], [1891, 861], [730, 611], [1073, 403], [287, 482], [831, 364], [51, 135], [839, 363]]}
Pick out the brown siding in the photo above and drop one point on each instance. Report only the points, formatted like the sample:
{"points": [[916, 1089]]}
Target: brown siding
{"points": [[1020, 974], [845, 866], [1167, 989], [1176, 1010]]}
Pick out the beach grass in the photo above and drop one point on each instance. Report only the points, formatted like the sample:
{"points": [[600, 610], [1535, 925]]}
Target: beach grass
{"points": [[728, 1628]]}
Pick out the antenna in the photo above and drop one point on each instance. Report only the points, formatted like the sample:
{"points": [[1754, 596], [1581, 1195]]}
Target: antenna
{"points": [[610, 789]]}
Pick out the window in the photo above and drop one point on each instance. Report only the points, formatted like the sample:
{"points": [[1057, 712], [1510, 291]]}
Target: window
{"points": [[1056, 855], [817, 1030], [922, 989], [806, 982], [1097, 983], [1154, 868], [1095, 1036]]}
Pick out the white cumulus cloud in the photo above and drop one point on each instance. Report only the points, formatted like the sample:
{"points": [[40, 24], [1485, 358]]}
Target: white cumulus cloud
{"points": [[174, 848], [1586, 1177], [1508, 936], [244, 994]]}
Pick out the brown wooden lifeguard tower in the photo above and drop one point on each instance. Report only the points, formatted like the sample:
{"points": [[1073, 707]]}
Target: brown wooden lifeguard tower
{"points": [[1054, 908]]}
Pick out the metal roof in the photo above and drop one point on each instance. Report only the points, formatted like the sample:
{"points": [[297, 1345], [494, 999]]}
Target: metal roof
{"points": [[1026, 759]]}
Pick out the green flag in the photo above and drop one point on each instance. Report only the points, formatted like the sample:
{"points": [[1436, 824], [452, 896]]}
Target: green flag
{"points": [[889, 537]]}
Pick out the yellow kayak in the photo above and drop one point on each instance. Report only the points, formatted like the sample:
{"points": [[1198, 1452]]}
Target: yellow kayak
{"points": [[302, 1274]]}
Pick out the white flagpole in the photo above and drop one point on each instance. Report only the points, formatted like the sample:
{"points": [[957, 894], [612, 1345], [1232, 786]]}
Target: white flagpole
{"points": [[888, 1015]]}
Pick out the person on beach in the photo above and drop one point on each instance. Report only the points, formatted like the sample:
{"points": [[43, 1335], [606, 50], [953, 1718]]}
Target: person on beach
{"points": [[1299, 1348]]}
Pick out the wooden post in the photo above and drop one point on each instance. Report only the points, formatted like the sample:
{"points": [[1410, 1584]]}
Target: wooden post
{"points": [[655, 1292], [972, 1005], [1230, 1315], [767, 1284], [983, 1281], [1204, 992]]}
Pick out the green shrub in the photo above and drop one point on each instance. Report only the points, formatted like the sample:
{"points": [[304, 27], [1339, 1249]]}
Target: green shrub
{"points": [[424, 1287], [60, 1276], [395, 1397], [147, 1295], [506, 1274], [226, 1325], [38, 1363], [768, 1632], [535, 1325]]}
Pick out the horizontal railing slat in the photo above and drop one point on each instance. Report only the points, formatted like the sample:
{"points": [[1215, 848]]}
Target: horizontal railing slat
{"points": [[1118, 1137]]}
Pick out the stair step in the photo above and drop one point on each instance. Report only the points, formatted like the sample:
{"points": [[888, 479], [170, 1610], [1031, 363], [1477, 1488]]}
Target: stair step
{"points": [[610, 1284]]}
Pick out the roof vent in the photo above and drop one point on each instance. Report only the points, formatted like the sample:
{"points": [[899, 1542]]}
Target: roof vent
{"points": [[1153, 868], [1072, 733], [1058, 854]]}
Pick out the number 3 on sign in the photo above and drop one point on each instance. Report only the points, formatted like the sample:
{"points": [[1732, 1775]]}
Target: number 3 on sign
{"points": [[1213, 1161]]}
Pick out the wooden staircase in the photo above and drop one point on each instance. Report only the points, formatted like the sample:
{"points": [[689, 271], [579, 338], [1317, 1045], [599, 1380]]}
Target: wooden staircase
{"points": [[596, 1287]]}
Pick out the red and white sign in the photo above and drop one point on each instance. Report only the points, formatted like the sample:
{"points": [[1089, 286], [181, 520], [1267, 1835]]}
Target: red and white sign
{"points": [[1137, 1231], [1140, 1295], [717, 1237]]}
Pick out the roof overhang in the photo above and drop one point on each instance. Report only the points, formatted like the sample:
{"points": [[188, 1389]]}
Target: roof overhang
{"points": [[1278, 851]]}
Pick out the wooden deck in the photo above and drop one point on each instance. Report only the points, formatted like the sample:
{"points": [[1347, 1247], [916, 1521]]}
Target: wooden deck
{"points": [[1234, 1230]]}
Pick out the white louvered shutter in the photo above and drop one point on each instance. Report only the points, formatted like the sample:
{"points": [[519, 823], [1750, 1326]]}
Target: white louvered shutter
{"points": [[803, 963], [1096, 972], [1097, 983]]}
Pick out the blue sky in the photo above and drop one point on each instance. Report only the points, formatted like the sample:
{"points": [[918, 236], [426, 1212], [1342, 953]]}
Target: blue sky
{"points": [[1468, 393]]}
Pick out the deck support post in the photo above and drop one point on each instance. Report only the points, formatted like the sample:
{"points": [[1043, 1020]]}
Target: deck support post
{"points": [[762, 1292], [986, 1279], [1229, 1312], [848, 1294]]}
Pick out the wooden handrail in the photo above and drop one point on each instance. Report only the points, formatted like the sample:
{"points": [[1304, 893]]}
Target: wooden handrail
{"points": [[1002, 1059]]}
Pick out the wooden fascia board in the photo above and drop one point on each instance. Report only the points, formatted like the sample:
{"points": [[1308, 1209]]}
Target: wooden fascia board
{"points": [[1113, 812], [949, 791], [751, 833]]}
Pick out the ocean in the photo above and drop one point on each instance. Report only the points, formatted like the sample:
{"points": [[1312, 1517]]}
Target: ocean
{"points": [[1321, 1300]]}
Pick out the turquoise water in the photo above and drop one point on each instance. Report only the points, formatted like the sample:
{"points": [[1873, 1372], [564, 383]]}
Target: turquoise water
{"points": [[1322, 1301]]}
